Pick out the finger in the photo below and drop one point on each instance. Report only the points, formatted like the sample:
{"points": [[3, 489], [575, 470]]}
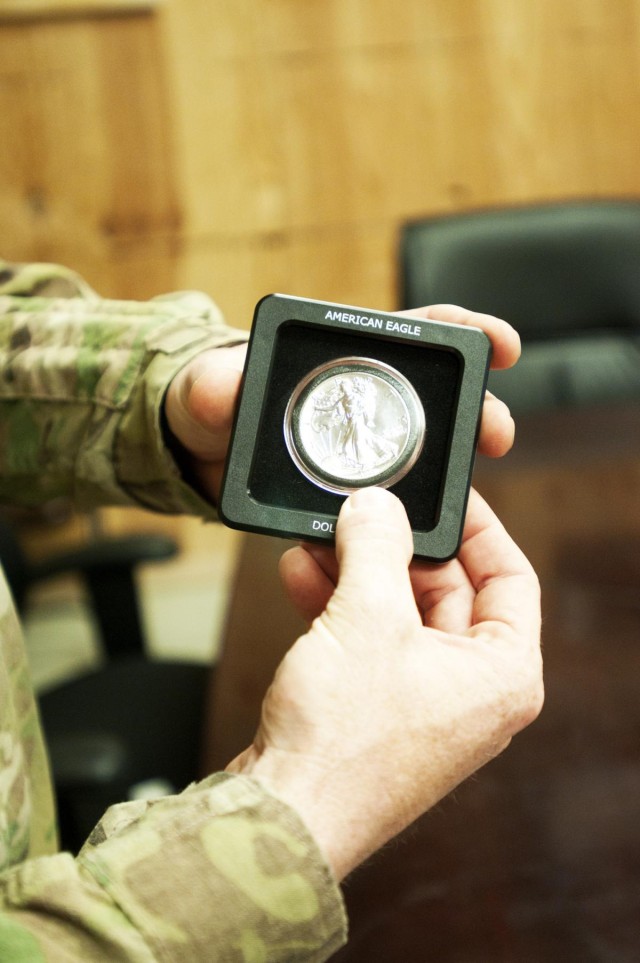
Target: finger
{"points": [[505, 340], [211, 405], [325, 556], [209, 394], [373, 547], [231, 356], [199, 407], [497, 428], [444, 595], [208, 476], [201, 401], [306, 584], [506, 585]]}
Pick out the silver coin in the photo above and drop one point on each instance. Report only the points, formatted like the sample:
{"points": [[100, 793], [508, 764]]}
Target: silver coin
{"points": [[354, 422]]}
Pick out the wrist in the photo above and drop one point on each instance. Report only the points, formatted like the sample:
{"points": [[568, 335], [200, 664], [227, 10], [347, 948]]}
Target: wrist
{"points": [[334, 814]]}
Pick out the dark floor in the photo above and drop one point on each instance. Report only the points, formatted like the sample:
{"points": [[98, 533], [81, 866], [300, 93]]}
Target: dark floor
{"points": [[537, 859]]}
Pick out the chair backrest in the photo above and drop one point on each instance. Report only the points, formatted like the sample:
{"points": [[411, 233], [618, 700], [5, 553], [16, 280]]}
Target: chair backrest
{"points": [[553, 270], [14, 562]]}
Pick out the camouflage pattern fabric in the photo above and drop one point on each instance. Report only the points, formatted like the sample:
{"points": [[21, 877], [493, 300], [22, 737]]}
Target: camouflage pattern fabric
{"points": [[224, 871]]}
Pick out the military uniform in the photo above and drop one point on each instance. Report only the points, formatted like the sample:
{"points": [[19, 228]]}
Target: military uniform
{"points": [[224, 871]]}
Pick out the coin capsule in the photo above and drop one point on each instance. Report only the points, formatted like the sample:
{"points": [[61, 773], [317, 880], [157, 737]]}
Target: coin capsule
{"points": [[354, 422]]}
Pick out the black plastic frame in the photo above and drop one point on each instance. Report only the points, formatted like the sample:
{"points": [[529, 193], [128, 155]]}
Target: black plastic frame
{"points": [[273, 499]]}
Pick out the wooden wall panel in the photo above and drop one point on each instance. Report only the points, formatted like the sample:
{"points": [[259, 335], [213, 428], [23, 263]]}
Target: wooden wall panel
{"points": [[249, 146], [338, 119], [141, 148], [87, 153], [232, 173], [20, 10], [47, 109]]}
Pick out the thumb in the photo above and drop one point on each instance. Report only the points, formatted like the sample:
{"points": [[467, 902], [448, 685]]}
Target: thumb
{"points": [[373, 547], [201, 400]]}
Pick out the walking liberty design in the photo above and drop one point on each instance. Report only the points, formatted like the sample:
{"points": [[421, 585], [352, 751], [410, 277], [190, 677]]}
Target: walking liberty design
{"points": [[346, 410]]}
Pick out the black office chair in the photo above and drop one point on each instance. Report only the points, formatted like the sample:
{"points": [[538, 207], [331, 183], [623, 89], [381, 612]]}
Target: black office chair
{"points": [[566, 275], [130, 723]]}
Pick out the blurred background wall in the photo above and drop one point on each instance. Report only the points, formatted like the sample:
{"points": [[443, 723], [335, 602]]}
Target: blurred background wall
{"points": [[247, 146]]}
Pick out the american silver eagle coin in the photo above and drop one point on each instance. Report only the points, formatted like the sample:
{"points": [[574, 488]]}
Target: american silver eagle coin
{"points": [[354, 422]]}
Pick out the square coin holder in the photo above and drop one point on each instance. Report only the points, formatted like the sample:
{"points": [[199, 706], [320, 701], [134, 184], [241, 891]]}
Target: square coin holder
{"points": [[335, 398]]}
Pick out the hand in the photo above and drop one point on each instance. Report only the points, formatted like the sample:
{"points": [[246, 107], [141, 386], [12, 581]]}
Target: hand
{"points": [[408, 680], [497, 429], [200, 406], [201, 399]]}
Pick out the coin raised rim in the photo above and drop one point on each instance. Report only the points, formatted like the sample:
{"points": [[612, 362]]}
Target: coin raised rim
{"points": [[330, 481]]}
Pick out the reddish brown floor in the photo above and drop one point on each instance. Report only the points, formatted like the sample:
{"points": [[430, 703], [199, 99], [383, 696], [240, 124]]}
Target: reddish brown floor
{"points": [[536, 860]]}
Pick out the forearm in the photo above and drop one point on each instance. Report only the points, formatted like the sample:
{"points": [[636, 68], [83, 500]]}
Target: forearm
{"points": [[82, 384]]}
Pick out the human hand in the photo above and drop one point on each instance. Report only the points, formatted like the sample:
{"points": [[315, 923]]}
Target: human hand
{"points": [[199, 407], [201, 399], [497, 429], [408, 680]]}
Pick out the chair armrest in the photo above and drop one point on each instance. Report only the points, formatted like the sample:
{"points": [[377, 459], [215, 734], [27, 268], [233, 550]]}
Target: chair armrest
{"points": [[125, 551]]}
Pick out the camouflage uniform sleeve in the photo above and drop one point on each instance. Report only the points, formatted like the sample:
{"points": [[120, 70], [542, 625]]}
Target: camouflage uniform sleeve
{"points": [[223, 872], [82, 381]]}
